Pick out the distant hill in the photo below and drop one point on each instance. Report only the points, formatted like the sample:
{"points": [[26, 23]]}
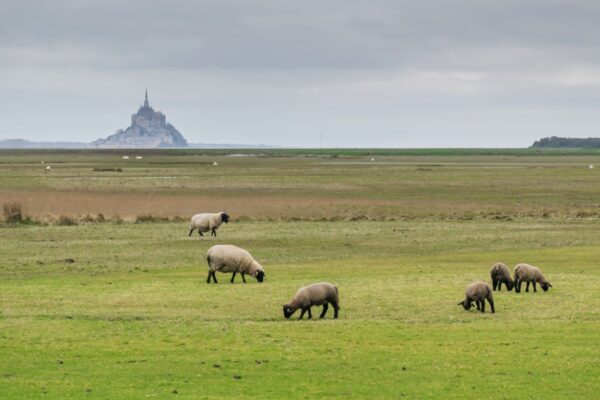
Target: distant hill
{"points": [[26, 144], [556, 142]]}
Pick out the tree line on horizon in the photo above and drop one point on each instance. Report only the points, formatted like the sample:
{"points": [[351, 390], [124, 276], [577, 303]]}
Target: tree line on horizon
{"points": [[562, 142]]}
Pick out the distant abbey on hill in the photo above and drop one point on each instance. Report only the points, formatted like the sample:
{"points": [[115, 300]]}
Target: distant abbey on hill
{"points": [[148, 129]]}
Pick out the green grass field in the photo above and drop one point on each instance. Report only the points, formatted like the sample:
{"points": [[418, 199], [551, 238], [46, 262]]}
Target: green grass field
{"points": [[132, 317]]}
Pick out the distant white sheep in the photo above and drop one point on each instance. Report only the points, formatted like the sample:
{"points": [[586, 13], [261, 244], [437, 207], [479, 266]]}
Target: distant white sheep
{"points": [[205, 222]]}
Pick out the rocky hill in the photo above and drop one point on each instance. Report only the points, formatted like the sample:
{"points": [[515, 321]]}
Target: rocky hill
{"points": [[148, 130]]}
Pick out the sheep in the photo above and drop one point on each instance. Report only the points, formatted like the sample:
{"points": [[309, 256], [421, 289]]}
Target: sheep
{"points": [[529, 273], [501, 274], [230, 258], [205, 222], [478, 292], [314, 295]]}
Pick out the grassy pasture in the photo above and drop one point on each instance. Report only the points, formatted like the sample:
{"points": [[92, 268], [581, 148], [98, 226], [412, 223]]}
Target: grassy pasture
{"points": [[132, 316]]}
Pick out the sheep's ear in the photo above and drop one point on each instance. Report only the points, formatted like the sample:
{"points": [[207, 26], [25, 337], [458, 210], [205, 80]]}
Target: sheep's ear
{"points": [[460, 303], [549, 284]]}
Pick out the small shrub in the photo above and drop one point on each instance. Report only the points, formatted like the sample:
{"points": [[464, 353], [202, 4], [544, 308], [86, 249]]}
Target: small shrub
{"points": [[149, 218], [100, 217], [65, 220], [87, 218], [12, 213], [108, 170]]}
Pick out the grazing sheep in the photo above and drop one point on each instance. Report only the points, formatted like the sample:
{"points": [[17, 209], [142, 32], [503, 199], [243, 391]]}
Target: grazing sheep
{"points": [[205, 222], [500, 274], [478, 292], [529, 273], [314, 295], [229, 258]]}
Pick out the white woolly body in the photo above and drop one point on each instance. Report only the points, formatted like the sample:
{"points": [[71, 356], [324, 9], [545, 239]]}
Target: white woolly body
{"points": [[205, 222], [230, 258]]}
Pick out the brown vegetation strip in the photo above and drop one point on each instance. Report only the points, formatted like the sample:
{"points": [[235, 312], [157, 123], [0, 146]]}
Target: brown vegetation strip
{"points": [[51, 204]]}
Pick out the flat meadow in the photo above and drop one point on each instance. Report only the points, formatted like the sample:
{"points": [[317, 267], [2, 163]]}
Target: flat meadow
{"points": [[103, 294]]}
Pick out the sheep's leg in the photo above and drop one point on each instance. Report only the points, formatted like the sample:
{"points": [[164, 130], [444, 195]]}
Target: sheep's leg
{"points": [[477, 304], [200, 233], [214, 275], [527, 288], [243, 277], [500, 286], [191, 230], [309, 313], [209, 275], [534, 287], [213, 232], [494, 284], [325, 307], [482, 306], [302, 313], [492, 305], [335, 309], [233, 276], [518, 285]]}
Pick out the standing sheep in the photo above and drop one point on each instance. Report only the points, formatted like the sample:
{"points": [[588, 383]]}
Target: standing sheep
{"points": [[529, 273], [314, 295], [229, 258], [478, 292], [205, 222], [500, 274]]}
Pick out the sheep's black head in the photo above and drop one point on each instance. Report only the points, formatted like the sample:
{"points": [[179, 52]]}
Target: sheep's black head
{"points": [[260, 276], [546, 286], [224, 217], [510, 284], [466, 304], [288, 311]]}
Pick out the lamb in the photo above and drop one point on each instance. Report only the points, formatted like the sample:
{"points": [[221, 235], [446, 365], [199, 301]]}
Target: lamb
{"points": [[230, 258], [205, 222], [478, 292], [500, 274], [529, 273], [316, 294]]}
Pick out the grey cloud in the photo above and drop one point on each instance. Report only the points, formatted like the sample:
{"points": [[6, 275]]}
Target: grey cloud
{"points": [[397, 73]]}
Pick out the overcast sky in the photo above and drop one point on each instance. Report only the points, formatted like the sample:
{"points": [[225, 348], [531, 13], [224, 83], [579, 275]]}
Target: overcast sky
{"points": [[361, 73]]}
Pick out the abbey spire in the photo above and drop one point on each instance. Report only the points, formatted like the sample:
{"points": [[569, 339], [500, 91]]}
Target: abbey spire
{"points": [[146, 99]]}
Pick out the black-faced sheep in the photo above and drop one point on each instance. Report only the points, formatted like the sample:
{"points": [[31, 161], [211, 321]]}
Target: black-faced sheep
{"points": [[205, 222], [229, 258], [317, 294], [529, 273], [478, 292], [500, 274]]}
